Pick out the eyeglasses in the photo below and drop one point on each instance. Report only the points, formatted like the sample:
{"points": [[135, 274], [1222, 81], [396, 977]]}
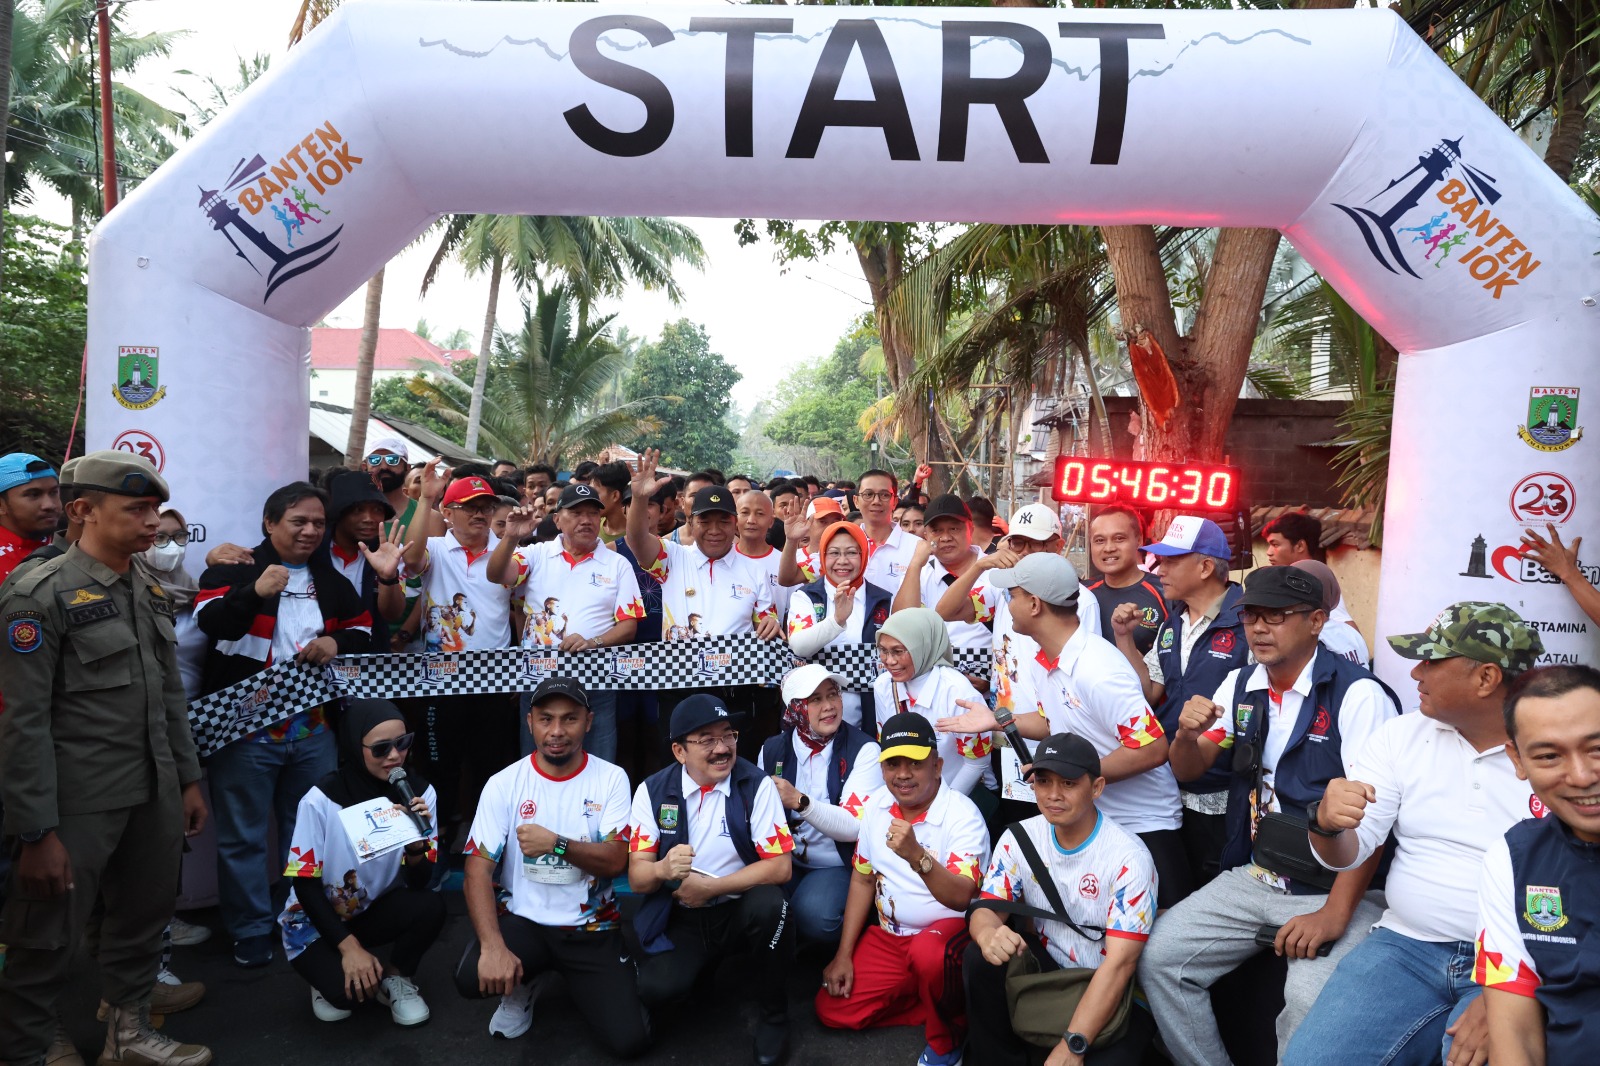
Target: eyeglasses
{"points": [[376, 461], [893, 653], [475, 507], [871, 497], [710, 744], [163, 539], [382, 748], [1250, 616], [842, 554]]}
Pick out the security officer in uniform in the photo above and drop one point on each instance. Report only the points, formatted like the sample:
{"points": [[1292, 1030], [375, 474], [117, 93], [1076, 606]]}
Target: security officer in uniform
{"points": [[97, 768]]}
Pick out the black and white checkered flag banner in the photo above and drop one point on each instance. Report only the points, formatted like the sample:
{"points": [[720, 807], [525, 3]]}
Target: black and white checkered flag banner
{"points": [[288, 688]]}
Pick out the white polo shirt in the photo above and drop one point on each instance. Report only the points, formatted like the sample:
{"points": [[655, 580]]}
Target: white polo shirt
{"points": [[933, 581], [724, 596], [462, 610], [566, 595], [861, 782], [591, 805], [1012, 649], [951, 830], [353, 568], [768, 565], [1345, 641], [705, 806], [934, 695], [1446, 803], [1092, 691], [888, 563]]}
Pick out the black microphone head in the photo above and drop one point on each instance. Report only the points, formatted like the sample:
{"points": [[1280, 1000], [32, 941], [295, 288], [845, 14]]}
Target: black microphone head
{"points": [[397, 775]]}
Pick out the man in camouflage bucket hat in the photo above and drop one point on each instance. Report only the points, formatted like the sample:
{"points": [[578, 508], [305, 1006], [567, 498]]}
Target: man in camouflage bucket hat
{"points": [[1442, 783]]}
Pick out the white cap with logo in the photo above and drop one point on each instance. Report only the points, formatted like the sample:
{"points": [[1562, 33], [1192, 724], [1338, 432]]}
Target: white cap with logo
{"points": [[1036, 522]]}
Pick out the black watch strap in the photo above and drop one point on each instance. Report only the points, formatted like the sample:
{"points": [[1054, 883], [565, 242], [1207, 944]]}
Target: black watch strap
{"points": [[560, 848], [33, 836], [1077, 1043], [1314, 825]]}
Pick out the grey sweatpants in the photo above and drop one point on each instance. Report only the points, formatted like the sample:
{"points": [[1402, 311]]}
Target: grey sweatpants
{"points": [[1208, 935]]}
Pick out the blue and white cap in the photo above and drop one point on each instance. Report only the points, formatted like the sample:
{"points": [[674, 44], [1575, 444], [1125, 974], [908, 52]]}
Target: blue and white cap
{"points": [[1188, 534]]}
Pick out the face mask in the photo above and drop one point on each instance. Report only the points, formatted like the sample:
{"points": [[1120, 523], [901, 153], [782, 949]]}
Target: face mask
{"points": [[167, 556]]}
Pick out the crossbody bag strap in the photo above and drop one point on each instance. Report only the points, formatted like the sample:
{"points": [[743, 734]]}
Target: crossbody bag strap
{"points": [[1041, 873]]}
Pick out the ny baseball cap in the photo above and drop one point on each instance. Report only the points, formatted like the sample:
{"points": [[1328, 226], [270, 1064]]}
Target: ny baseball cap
{"points": [[19, 468], [907, 735], [1049, 577], [713, 499], [1281, 586], [1188, 534], [1485, 632], [463, 489], [1036, 522], [803, 681], [1067, 755], [577, 493], [560, 686], [119, 473], [697, 712], [823, 505], [947, 506]]}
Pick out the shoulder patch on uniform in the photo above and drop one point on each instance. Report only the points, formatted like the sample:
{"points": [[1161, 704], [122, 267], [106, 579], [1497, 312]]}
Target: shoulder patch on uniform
{"points": [[25, 631], [80, 596], [160, 602]]}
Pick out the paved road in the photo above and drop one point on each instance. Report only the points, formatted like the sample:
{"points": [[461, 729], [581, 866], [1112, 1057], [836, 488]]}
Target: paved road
{"points": [[263, 1018]]}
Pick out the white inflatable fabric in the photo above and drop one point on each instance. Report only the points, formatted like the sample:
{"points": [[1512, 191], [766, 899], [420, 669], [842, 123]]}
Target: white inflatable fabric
{"points": [[1341, 129]]}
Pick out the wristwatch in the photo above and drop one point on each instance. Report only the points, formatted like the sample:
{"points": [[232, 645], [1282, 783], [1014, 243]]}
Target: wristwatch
{"points": [[560, 848], [925, 864], [391, 581], [33, 836], [804, 805], [1314, 825], [1077, 1043]]}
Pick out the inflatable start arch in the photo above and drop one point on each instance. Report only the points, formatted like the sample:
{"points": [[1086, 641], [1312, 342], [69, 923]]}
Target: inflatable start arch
{"points": [[1341, 129]]}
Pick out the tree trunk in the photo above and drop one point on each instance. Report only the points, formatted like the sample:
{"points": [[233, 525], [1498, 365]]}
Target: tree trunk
{"points": [[355, 448], [7, 10], [480, 380], [880, 260]]}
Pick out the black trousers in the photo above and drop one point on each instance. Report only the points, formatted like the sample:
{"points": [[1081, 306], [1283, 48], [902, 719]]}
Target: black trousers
{"points": [[990, 1041], [757, 921], [464, 741], [596, 967], [1203, 837], [1174, 877], [408, 918]]}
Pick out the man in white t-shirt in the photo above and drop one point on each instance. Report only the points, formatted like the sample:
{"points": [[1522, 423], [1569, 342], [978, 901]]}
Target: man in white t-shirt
{"points": [[754, 520], [1106, 885], [919, 857], [891, 547], [555, 825], [943, 553], [1442, 783], [578, 594]]}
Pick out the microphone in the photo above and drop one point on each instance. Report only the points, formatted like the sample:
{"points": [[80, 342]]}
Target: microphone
{"points": [[397, 778], [1008, 726]]}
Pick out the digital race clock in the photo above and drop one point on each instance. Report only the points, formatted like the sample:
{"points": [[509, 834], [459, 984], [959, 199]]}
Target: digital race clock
{"points": [[1180, 486]]}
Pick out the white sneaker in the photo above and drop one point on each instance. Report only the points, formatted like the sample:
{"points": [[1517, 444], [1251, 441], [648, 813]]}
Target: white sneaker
{"points": [[514, 1016], [186, 934], [325, 1011], [403, 1000]]}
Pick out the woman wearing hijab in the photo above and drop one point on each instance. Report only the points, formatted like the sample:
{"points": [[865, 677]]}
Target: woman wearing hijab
{"points": [[825, 770], [918, 675], [352, 892], [840, 606]]}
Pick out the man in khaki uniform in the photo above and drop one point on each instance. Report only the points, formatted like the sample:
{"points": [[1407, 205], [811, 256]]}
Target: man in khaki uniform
{"points": [[97, 769]]}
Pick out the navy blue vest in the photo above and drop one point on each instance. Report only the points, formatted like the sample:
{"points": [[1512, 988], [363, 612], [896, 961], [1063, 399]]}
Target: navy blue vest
{"points": [[1560, 930], [1221, 649], [1312, 758], [777, 754], [665, 789], [879, 602]]}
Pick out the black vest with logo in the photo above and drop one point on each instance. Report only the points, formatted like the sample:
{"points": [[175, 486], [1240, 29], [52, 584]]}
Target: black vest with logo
{"points": [[778, 755], [1219, 650]]}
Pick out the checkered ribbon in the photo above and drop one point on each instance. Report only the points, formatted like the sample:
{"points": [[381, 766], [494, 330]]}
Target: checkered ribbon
{"points": [[290, 687]]}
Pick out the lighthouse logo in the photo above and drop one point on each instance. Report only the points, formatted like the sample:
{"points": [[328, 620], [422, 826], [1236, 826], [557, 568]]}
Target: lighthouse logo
{"points": [[290, 194], [1552, 424]]}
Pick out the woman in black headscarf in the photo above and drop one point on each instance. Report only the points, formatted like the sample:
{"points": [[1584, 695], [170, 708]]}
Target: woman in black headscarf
{"points": [[355, 884]]}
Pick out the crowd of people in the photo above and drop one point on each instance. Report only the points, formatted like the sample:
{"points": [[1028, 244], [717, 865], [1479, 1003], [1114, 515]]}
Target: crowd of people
{"points": [[1071, 854]]}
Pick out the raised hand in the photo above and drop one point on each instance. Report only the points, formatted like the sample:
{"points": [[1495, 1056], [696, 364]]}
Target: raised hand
{"points": [[522, 521], [1344, 803], [645, 483], [273, 580], [1198, 715], [434, 483], [385, 562], [1125, 619]]}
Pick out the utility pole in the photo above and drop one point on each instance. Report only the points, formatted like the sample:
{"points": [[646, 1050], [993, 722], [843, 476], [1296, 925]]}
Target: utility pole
{"points": [[102, 13]]}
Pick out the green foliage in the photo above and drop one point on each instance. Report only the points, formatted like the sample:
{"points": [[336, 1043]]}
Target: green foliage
{"points": [[396, 396], [42, 333], [694, 431], [817, 411]]}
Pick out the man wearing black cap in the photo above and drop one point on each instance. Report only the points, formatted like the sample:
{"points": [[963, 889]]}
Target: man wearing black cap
{"points": [[1291, 724], [1072, 861], [710, 852], [367, 557], [919, 856], [943, 553], [97, 768], [566, 812]]}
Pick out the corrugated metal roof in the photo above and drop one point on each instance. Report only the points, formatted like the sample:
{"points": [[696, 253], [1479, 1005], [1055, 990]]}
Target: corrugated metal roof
{"points": [[330, 424]]}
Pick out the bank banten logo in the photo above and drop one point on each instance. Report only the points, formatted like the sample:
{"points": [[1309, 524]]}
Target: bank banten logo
{"points": [[320, 160], [1402, 238], [138, 377], [1552, 420]]}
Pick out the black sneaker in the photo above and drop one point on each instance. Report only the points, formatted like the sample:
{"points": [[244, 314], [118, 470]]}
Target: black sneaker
{"points": [[772, 1043], [253, 952]]}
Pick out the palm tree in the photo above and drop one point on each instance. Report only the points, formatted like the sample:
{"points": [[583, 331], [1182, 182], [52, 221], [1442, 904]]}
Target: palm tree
{"points": [[540, 403]]}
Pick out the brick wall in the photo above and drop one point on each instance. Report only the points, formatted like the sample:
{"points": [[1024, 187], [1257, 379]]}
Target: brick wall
{"points": [[1268, 440]]}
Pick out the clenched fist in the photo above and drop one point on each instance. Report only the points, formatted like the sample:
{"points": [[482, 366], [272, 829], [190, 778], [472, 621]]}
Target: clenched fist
{"points": [[1344, 804], [273, 580], [1125, 619], [1198, 715]]}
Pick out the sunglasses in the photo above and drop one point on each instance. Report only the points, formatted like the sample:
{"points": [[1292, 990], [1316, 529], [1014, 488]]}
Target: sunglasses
{"points": [[382, 748], [376, 461]]}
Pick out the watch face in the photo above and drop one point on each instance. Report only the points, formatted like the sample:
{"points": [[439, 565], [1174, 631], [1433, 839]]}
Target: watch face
{"points": [[1077, 1043]]}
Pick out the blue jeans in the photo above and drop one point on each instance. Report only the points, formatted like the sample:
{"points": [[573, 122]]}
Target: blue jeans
{"points": [[250, 783], [1388, 1003], [816, 901], [602, 739]]}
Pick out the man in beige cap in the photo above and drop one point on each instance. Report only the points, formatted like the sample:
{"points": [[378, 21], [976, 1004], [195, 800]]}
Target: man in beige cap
{"points": [[97, 769]]}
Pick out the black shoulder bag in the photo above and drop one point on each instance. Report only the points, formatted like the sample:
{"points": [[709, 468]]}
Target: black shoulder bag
{"points": [[1282, 842]]}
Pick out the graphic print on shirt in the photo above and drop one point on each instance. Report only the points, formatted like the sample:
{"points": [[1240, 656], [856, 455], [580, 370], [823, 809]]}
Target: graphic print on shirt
{"points": [[449, 624]]}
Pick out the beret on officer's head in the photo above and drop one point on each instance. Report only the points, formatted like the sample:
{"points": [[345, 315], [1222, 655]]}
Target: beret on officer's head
{"points": [[119, 473]]}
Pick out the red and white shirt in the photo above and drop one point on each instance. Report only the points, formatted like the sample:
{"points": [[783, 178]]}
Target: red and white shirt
{"points": [[768, 565], [1012, 649], [935, 579], [703, 597], [591, 805], [1500, 960], [860, 783], [353, 567], [706, 808], [566, 595], [462, 610], [951, 830], [934, 695], [889, 562], [14, 549], [1109, 881]]}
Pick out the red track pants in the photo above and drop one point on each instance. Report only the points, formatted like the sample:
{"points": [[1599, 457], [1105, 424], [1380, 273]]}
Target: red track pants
{"points": [[905, 980]]}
